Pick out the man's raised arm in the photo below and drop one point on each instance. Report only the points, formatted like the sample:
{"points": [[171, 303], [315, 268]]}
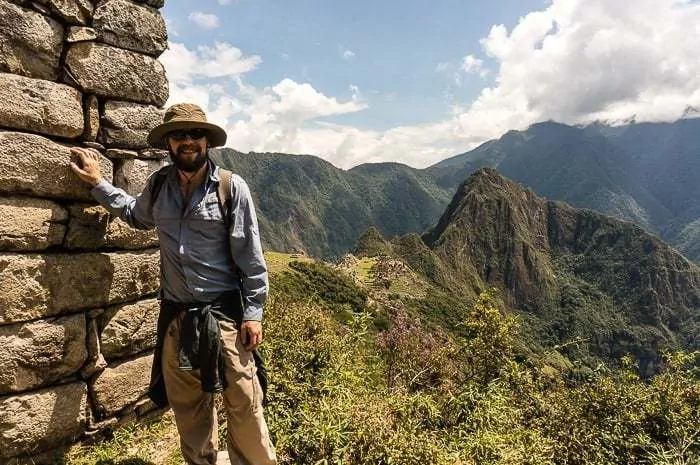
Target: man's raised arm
{"points": [[136, 212]]}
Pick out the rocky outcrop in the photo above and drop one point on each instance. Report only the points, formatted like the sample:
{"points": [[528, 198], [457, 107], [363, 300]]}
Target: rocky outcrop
{"points": [[77, 285], [571, 273]]}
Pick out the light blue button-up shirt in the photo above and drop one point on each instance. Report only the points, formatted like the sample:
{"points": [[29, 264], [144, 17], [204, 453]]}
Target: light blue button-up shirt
{"points": [[195, 261]]}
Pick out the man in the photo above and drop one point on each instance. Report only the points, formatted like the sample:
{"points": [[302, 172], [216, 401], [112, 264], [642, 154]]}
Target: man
{"points": [[213, 287]]}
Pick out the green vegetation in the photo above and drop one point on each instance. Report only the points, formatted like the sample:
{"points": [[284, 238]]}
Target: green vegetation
{"points": [[146, 443], [598, 287], [409, 396], [341, 393], [316, 282]]}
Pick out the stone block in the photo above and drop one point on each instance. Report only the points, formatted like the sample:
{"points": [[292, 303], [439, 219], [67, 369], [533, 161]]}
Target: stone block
{"points": [[44, 10], [30, 43], [126, 124], [40, 106], [36, 286], [40, 352], [94, 145], [80, 34], [92, 118], [87, 227], [130, 26], [129, 329], [96, 362], [121, 154], [30, 224], [123, 236], [91, 228], [153, 3], [72, 11], [41, 420], [121, 385], [116, 73], [132, 175], [34, 165], [153, 154]]}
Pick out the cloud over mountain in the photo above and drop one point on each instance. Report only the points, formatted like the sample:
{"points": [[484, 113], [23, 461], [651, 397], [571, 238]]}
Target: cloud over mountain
{"points": [[573, 61]]}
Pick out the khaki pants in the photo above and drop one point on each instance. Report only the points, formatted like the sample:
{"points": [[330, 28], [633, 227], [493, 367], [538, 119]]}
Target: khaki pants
{"points": [[248, 441]]}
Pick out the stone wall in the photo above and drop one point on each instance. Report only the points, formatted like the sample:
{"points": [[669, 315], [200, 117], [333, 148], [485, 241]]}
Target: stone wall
{"points": [[77, 287]]}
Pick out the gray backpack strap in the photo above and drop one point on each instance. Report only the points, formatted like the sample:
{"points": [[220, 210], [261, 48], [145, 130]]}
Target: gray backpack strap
{"points": [[224, 194], [158, 180]]}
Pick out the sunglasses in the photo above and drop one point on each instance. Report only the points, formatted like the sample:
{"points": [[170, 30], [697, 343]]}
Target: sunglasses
{"points": [[182, 134]]}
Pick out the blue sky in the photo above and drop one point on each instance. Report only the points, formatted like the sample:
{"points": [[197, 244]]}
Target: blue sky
{"points": [[418, 81]]}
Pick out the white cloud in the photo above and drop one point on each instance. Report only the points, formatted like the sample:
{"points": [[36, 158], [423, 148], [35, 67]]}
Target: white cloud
{"points": [[204, 20], [579, 61], [348, 54], [575, 61], [471, 64], [221, 60], [225, 2]]}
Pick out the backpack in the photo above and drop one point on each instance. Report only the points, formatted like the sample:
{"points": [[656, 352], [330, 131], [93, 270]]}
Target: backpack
{"points": [[225, 197]]}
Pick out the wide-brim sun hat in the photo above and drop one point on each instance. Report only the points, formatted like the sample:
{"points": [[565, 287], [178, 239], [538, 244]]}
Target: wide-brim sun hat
{"points": [[185, 116]]}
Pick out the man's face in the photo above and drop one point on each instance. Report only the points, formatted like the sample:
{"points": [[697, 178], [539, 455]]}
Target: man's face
{"points": [[188, 149]]}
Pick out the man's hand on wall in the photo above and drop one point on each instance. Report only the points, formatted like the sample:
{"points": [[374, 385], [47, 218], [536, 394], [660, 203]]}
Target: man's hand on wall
{"points": [[85, 163], [251, 334]]}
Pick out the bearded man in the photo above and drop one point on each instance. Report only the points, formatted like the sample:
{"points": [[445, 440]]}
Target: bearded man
{"points": [[214, 284]]}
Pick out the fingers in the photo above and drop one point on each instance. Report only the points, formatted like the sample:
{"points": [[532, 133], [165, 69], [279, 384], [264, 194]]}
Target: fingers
{"points": [[252, 335], [76, 169], [85, 153], [86, 164]]}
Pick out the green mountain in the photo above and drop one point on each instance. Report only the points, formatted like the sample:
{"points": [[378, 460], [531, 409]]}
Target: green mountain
{"points": [[645, 173], [566, 163], [305, 203], [668, 157], [571, 274]]}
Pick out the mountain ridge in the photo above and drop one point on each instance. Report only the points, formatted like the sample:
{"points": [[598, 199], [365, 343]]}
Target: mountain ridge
{"points": [[323, 209], [569, 273]]}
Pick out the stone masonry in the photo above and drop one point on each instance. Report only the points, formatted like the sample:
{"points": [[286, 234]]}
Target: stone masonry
{"points": [[77, 287]]}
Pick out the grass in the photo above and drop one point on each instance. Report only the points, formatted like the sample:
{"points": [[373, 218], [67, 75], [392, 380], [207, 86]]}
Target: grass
{"points": [[278, 262], [152, 443], [365, 270]]}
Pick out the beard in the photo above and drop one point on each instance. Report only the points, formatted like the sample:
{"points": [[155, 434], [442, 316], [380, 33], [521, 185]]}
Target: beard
{"points": [[188, 165]]}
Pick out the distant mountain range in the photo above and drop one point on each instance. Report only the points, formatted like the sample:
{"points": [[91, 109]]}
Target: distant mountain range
{"points": [[645, 173], [571, 274]]}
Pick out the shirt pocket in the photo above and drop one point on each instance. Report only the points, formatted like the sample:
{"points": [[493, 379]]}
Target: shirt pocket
{"points": [[208, 209]]}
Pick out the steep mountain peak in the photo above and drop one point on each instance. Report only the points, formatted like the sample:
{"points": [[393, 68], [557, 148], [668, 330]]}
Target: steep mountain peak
{"points": [[371, 244], [582, 273], [483, 188]]}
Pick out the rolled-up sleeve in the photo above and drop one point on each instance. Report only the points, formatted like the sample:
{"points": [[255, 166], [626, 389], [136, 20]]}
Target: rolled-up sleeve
{"points": [[135, 211], [247, 252]]}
